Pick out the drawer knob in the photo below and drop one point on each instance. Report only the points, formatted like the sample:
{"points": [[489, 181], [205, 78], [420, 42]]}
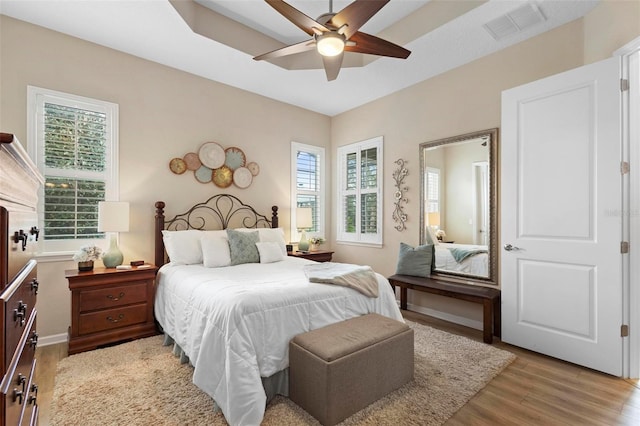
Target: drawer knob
{"points": [[34, 286], [111, 319], [116, 298]]}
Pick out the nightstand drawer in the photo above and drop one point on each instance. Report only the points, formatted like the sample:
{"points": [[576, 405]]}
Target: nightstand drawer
{"points": [[112, 318], [90, 300]]}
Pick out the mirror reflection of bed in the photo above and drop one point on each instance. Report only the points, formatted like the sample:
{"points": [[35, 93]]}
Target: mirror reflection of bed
{"points": [[458, 199]]}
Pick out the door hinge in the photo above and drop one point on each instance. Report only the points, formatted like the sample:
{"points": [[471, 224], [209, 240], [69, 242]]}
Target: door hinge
{"points": [[624, 84], [624, 330], [624, 167], [624, 247]]}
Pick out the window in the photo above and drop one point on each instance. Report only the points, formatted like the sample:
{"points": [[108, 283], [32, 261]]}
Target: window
{"points": [[308, 188], [73, 141], [360, 192]]}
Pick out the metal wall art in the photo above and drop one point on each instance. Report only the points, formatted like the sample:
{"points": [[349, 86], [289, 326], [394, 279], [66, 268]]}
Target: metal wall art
{"points": [[399, 216], [212, 163]]}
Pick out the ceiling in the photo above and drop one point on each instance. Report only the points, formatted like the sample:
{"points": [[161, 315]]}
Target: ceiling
{"points": [[218, 39]]}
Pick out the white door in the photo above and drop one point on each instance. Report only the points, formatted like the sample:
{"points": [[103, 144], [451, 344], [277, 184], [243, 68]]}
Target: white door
{"points": [[561, 225]]}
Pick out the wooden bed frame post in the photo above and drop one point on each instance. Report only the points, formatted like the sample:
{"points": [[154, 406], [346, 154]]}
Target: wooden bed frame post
{"points": [[159, 226]]}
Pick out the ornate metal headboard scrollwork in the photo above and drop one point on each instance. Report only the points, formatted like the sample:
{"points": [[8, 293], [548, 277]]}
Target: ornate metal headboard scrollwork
{"points": [[221, 211]]}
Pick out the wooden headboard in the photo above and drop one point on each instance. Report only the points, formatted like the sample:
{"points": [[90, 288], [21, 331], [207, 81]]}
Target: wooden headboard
{"points": [[221, 211]]}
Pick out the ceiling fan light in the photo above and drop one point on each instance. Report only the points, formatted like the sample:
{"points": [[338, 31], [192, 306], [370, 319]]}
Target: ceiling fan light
{"points": [[330, 44]]}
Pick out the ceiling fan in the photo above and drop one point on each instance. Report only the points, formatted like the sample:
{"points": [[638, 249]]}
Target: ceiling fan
{"points": [[335, 33]]}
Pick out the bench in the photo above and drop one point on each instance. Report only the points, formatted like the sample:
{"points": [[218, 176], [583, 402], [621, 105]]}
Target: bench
{"points": [[488, 297], [337, 370]]}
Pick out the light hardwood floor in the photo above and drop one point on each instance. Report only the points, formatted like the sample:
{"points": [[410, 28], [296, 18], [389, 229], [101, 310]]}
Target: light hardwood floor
{"points": [[533, 390]]}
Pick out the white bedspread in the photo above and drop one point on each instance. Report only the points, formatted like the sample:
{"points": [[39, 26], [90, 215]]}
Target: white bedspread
{"points": [[235, 323], [478, 264]]}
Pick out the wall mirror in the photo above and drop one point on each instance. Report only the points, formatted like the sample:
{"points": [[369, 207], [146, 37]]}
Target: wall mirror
{"points": [[458, 191]]}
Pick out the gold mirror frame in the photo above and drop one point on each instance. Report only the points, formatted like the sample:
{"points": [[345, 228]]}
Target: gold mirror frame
{"points": [[492, 278]]}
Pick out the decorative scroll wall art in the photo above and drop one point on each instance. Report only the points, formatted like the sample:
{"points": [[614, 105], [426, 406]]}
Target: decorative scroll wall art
{"points": [[212, 163], [399, 216]]}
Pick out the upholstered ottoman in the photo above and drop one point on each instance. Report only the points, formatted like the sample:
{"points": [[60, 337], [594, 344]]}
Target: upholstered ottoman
{"points": [[336, 371]]}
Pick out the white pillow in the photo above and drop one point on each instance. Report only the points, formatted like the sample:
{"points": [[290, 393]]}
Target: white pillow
{"points": [[275, 235], [270, 252], [183, 247], [215, 252]]}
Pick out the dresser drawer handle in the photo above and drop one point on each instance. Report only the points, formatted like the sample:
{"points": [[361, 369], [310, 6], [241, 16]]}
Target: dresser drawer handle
{"points": [[116, 298], [34, 286], [33, 341], [17, 395], [33, 398], [20, 313], [111, 319]]}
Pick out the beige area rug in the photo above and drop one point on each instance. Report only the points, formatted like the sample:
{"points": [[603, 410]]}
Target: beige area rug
{"points": [[142, 383]]}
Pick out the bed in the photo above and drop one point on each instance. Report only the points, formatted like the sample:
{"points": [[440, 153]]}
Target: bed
{"points": [[233, 322]]}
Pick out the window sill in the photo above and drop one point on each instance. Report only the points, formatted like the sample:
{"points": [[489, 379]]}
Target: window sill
{"points": [[359, 244]]}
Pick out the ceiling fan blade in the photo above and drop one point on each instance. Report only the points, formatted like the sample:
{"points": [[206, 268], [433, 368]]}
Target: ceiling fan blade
{"points": [[288, 50], [356, 15], [332, 66], [298, 18], [366, 43]]}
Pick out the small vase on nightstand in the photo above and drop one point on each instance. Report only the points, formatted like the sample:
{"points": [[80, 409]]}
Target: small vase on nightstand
{"points": [[314, 247], [85, 266]]}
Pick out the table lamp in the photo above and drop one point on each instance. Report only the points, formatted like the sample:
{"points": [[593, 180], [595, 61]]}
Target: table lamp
{"points": [[304, 221], [113, 216]]}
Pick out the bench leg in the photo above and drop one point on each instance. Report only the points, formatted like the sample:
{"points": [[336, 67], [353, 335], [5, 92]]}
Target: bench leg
{"points": [[497, 318], [487, 321], [403, 298]]}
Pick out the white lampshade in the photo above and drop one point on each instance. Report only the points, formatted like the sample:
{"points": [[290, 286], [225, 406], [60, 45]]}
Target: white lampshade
{"points": [[113, 216], [304, 219]]}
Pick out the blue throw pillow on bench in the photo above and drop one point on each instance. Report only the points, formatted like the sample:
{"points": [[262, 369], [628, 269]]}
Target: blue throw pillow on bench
{"points": [[417, 261]]}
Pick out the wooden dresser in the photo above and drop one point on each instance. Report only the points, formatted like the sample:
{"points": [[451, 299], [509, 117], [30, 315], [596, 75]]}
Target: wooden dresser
{"points": [[110, 305], [19, 183]]}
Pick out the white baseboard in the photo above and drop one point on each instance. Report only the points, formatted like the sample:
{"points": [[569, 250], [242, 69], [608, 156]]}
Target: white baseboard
{"points": [[467, 322], [52, 340]]}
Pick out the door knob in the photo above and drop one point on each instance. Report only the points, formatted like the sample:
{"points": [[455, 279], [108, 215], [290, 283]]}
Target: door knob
{"points": [[509, 247]]}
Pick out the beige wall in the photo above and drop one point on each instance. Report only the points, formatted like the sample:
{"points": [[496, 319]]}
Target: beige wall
{"points": [[164, 113], [466, 99]]}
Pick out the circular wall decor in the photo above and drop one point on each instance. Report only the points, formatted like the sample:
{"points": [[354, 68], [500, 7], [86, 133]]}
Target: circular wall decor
{"points": [[212, 155], [203, 174], [242, 177], [192, 161], [234, 158], [177, 166], [254, 168], [222, 177]]}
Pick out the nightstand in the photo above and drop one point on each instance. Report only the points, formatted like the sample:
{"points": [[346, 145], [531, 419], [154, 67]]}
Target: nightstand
{"points": [[110, 305], [318, 256]]}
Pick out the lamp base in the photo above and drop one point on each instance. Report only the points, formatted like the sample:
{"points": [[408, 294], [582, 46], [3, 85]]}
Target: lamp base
{"points": [[303, 245], [113, 257]]}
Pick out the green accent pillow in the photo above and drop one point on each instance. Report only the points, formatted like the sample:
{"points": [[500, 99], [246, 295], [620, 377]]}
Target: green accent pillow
{"points": [[242, 247], [416, 261]]}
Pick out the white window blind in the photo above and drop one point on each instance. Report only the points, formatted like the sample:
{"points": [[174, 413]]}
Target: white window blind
{"points": [[73, 142], [432, 189], [307, 165], [360, 192]]}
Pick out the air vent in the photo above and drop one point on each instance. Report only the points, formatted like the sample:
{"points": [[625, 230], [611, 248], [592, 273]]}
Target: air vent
{"points": [[513, 22]]}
